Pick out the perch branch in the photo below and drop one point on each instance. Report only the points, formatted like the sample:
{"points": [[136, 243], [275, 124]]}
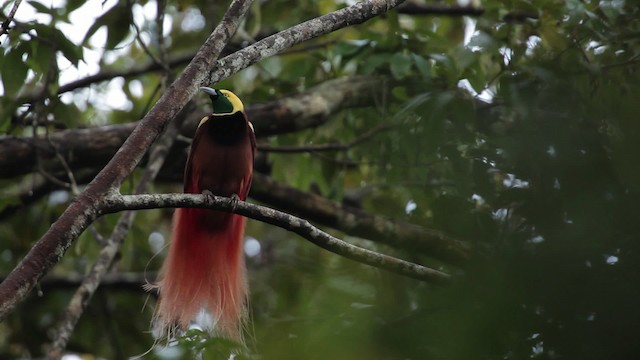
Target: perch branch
{"points": [[116, 202]]}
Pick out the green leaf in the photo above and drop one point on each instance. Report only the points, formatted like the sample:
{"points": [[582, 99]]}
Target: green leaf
{"points": [[69, 115], [14, 72], [71, 51], [7, 109], [423, 66], [119, 29], [117, 20], [484, 41], [73, 5], [40, 58], [400, 65], [373, 62], [41, 8]]}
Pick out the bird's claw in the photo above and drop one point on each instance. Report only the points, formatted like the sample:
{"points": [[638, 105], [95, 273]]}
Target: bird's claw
{"points": [[208, 194], [234, 201]]}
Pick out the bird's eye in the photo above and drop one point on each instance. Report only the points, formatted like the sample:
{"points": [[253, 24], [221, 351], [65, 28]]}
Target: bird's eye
{"points": [[226, 95]]}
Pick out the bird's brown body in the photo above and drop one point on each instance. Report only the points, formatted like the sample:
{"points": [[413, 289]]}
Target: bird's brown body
{"points": [[205, 267]]}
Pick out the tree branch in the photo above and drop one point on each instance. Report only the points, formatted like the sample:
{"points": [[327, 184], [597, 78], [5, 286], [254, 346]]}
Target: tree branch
{"points": [[89, 147], [116, 202]]}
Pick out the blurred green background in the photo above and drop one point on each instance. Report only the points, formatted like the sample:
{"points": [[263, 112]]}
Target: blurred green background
{"points": [[516, 130]]}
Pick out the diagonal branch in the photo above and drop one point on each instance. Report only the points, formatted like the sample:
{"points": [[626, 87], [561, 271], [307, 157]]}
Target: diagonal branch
{"points": [[116, 202]]}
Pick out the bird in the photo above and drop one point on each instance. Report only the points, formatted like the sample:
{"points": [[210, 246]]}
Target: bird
{"points": [[204, 269]]}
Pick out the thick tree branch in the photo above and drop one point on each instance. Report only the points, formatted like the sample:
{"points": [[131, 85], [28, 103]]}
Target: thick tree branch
{"points": [[82, 211], [89, 147], [115, 202]]}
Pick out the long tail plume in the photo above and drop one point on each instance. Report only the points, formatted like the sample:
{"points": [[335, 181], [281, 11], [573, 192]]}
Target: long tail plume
{"points": [[204, 270]]}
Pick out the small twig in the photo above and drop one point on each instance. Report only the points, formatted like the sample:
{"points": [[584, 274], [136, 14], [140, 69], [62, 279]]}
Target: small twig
{"points": [[411, 8], [4, 29], [631, 61], [325, 147], [65, 166], [152, 98], [160, 9], [97, 236], [129, 281], [52, 178], [145, 48], [116, 202]]}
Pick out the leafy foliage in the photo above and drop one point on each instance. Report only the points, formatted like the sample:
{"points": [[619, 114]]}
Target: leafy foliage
{"points": [[515, 131]]}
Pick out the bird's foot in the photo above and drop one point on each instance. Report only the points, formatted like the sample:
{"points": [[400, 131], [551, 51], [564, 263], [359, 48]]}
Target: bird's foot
{"points": [[234, 201], [208, 194]]}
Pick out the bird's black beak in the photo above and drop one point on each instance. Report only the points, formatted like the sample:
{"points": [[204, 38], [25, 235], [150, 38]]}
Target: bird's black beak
{"points": [[212, 92]]}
